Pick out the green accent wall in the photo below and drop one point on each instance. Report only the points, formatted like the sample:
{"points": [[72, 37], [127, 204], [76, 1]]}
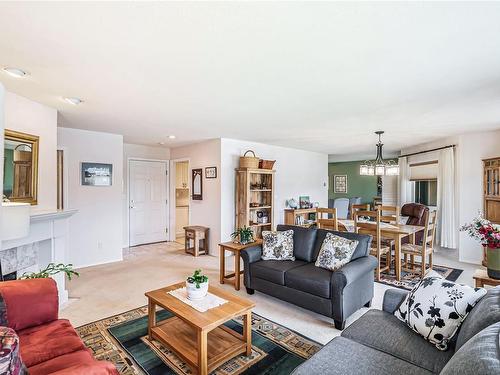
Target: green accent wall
{"points": [[8, 173], [357, 186]]}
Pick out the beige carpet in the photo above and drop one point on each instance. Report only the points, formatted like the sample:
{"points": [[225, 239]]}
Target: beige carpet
{"points": [[113, 288]]}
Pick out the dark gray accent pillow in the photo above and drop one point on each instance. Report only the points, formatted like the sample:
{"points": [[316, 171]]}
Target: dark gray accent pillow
{"points": [[303, 241], [486, 312], [479, 356]]}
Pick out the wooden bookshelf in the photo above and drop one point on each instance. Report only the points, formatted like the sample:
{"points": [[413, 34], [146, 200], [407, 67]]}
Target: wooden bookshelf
{"points": [[292, 215], [255, 186]]}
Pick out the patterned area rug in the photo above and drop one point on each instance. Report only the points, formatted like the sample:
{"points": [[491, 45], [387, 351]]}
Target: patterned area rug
{"points": [[410, 279], [122, 339]]}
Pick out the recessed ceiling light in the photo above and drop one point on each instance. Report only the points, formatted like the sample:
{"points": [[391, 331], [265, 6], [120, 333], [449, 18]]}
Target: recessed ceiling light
{"points": [[73, 101], [15, 72], [161, 143], [171, 137]]}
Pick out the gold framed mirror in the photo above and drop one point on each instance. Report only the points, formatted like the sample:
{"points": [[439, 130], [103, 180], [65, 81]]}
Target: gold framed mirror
{"points": [[20, 178]]}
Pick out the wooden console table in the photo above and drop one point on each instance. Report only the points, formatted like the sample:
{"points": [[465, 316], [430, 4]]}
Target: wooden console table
{"points": [[235, 248], [481, 279]]}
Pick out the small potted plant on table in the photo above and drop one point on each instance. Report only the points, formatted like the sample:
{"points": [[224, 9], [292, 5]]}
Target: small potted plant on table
{"points": [[243, 235], [197, 286]]}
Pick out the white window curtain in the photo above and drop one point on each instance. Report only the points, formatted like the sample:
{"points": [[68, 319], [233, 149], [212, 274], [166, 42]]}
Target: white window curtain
{"points": [[447, 228], [405, 194]]}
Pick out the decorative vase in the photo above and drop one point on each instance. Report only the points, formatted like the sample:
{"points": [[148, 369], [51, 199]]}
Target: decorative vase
{"points": [[493, 256], [194, 293], [292, 203]]}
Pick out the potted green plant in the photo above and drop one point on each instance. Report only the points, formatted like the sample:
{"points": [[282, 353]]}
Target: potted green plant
{"points": [[243, 235], [197, 286], [50, 270], [488, 235]]}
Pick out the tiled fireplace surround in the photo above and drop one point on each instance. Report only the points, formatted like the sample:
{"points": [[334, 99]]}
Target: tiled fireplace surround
{"points": [[21, 259], [45, 243]]}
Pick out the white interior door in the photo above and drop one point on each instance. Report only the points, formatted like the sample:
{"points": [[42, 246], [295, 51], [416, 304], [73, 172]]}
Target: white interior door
{"points": [[148, 205]]}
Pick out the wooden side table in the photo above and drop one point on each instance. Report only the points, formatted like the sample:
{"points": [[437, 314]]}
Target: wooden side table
{"points": [[198, 235], [481, 279], [235, 248]]}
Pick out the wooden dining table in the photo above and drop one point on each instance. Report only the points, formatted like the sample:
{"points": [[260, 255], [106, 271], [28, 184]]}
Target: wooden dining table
{"points": [[394, 232]]}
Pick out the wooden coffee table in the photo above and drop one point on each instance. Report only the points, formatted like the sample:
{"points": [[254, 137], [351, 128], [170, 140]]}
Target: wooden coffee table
{"points": [[200, 338]]}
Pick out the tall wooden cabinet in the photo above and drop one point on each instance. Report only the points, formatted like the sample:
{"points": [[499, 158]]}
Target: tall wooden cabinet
{"points": [[255, 199], [491, 187]]}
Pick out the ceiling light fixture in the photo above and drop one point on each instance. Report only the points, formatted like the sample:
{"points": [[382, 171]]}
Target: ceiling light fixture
{"points": [[15, 72], [161, 143], [73, 101], [379, 167], [171, 137]]}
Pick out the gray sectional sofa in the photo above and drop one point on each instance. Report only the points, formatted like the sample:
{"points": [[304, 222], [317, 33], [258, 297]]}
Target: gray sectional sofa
{"points": [[379, 343], [334, 294]]}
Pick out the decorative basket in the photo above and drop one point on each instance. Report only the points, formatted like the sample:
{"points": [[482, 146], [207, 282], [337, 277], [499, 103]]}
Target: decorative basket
{"points": [[266, 164], [249, 161]]}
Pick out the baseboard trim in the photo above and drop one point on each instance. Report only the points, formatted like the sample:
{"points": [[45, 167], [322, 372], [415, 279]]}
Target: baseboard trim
{"points": [[98, 264]]}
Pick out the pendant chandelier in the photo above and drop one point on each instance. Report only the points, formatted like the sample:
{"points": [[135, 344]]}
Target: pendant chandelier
{"points": [[379, 167]]}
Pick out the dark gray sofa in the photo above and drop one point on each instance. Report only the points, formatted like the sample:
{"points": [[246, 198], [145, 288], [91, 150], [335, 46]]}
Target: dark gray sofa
{"points": [[334, 294], [379, 343]]}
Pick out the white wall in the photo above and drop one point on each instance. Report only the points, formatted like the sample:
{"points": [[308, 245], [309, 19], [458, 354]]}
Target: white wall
{"points": [[27, 116], [139, 152], [95, 234], [298, 173], [471, 149], [206, 212]]}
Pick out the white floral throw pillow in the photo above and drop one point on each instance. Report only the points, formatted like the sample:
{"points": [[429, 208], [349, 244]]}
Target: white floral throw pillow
{"points": [[277, 245], [435, 308], [335, 252]]}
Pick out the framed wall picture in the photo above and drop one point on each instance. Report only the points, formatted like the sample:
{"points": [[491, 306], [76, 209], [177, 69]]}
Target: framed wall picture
{"points": [[197, 184], [96, 174], [211, 172], [340, 183], [304, 201]]}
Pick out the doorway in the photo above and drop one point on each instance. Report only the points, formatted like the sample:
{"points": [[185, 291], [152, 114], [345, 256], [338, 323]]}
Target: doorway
{"points": [[182, 198], [148, 203]]}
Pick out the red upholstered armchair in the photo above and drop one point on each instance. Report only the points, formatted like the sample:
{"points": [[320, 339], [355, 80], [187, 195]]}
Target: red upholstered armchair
{"points": [[416, 216], [47, 345]]}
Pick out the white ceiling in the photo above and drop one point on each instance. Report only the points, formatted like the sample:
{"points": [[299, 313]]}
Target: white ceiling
{"points": [[316, 76]]}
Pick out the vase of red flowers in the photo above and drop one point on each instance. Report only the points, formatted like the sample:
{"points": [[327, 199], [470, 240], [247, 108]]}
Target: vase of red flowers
{"points": [[488, 235]]}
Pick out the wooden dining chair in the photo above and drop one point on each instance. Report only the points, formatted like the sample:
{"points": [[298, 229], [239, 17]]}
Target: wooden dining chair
{"points": [[423, 250], [389, 214], [359, 207], [328, 222], [378, 249]]}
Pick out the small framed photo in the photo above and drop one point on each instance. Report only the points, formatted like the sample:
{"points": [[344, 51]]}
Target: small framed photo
{"points": [[340, 183], [97, 174], [304, 201], [211, 172]]}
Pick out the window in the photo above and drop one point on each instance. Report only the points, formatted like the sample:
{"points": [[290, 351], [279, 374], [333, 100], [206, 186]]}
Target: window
{"points": [[426, 192]]}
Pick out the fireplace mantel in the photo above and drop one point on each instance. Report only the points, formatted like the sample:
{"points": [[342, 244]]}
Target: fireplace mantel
{"points": [[51, 227], [44, 215]]}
